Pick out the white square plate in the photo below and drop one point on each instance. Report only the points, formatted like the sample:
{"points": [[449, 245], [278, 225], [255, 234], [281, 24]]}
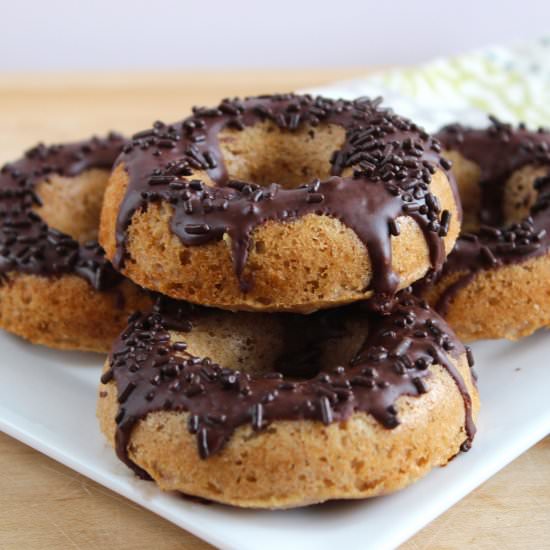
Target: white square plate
{"points": [[47, 400]]}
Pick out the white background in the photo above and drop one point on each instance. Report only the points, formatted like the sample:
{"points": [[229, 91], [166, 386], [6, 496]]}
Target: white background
{"points": [[164, 34]]}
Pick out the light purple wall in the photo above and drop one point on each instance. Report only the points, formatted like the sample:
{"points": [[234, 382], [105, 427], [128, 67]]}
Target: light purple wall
{"points": [[119, 34]]}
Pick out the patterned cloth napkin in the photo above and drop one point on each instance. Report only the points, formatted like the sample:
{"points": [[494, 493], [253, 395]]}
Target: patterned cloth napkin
{"points": [[512, 83]]}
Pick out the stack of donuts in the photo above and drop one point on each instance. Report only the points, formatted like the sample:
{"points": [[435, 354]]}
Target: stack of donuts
{"points": [[263, 286]]}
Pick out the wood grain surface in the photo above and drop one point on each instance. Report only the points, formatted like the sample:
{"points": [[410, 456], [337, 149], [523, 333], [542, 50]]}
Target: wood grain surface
{"points": [[44, 504]]}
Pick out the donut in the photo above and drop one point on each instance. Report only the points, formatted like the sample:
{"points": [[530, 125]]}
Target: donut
{"points": [[495, 283], [56, 286], [284, 410], [363, 204]]}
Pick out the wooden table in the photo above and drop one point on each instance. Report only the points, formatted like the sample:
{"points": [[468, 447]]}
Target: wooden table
{"points": [[45, 505]]}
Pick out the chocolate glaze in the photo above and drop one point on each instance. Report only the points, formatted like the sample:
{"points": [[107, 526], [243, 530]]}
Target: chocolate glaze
{"points": [[27, 243], [154, 373], [499, 151], [392, 158]]}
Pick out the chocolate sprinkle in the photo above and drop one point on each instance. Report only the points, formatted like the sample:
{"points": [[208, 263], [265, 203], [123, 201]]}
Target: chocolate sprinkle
{"points": [[228, 399], [27, 244], [392, 160]]}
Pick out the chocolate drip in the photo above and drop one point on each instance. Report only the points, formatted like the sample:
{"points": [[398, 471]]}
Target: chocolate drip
{"points": [[27, 243], [499, 151], [392, 159], [153, 373]]}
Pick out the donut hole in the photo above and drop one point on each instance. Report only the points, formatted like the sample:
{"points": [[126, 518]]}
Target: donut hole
{"points": [[72, 205], [517, 193], [318, 342], [264, 154], [296, 346]]}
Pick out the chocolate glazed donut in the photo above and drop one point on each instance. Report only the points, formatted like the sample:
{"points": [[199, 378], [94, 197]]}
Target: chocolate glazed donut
{"points": [[495, 282], [376, 415], [175, 220], [55, 290]]}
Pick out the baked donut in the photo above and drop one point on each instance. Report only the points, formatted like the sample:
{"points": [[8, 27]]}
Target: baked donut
{"points": [[363, 204], [56, 286], [276, 411], [495, 283]]}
